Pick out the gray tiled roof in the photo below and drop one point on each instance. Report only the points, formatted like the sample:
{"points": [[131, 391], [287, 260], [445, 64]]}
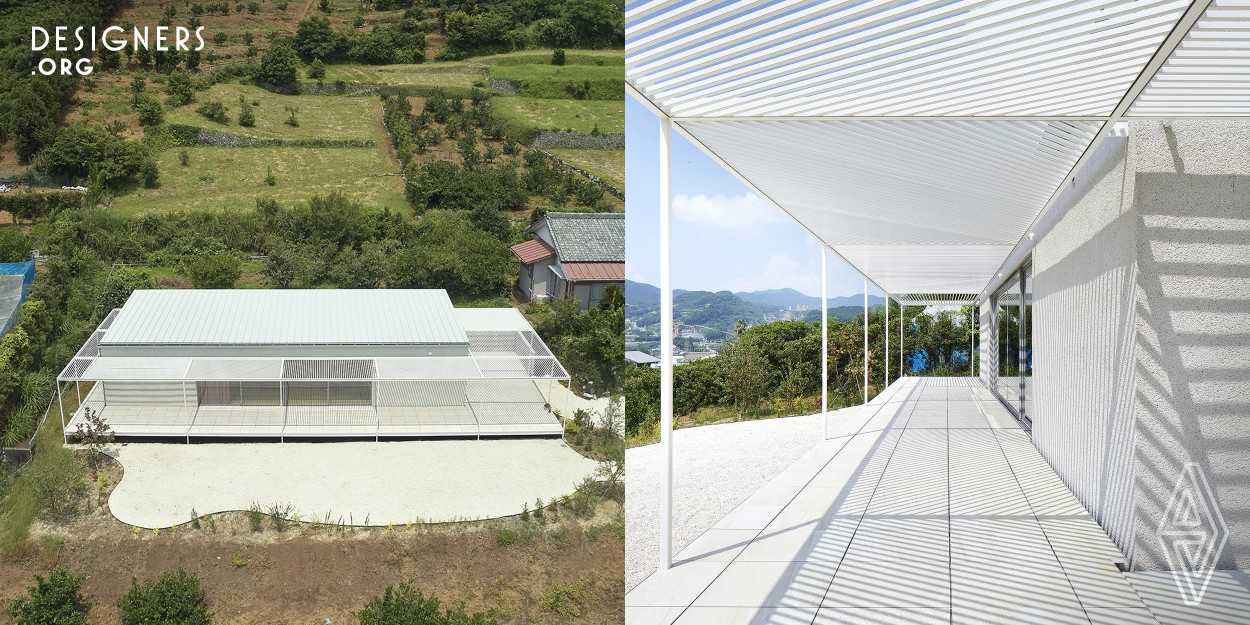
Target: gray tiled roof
{"points": [[588, 237]]}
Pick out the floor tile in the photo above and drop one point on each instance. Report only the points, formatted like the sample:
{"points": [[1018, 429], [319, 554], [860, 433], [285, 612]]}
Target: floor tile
{"points": [[676, 587], [889, 584], [651, 615], [901, 539], [882, 616], [716, 545], [1120, 616], [746, 616], [769, 584], [825, 542]]}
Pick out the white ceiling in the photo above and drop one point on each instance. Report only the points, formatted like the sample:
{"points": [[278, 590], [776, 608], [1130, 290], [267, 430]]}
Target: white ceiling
{"points": [[920, 140]]}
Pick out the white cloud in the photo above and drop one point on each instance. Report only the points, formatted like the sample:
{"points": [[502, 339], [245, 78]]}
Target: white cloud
{"points": [[782, 271], [739, 214]]}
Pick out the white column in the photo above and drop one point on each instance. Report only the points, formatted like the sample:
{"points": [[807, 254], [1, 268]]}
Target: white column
{"points": [[900, 339], [824, 341], [886, 360], [865, 339], [666, 346], [59, 402]]}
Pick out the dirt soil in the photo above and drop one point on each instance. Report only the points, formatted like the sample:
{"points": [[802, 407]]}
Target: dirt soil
{"points": [[313, 576]]}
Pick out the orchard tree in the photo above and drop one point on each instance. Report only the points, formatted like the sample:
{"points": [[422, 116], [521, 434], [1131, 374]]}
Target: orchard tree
{"points": [[279, 65]]}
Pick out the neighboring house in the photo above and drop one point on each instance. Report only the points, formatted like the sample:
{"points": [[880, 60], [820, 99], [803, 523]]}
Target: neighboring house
{"points": [[641, 359], [573, 255]]}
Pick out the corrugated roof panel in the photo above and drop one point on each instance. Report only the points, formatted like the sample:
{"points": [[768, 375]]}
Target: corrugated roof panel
{"points": [[595, 271], [533, 250], [287, 317]]}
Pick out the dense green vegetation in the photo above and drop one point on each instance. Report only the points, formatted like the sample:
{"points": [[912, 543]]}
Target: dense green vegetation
{"points": [[773, 369], [30, 104], [176, 598], [51, 601]]}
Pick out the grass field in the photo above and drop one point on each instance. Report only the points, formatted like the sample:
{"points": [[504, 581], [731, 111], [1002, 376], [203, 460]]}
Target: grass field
{"points": [[548, 72], [320, 117], [450, 74], [607, 164], [544, 114], [477, 71], [220, 179]]}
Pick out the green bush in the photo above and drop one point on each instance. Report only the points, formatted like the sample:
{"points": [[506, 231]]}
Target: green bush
{"points": [[150, 111], [247, 116], [213, 110], [179, 90], [51, 601], [557, 56], [214, 271], [59, 485], [507, 536], [404, 605], [279, 65], [177, 598]]}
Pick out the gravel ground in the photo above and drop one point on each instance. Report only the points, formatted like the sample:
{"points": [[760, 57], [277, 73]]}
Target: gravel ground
{"points": [[390, 482], [715, 468]]}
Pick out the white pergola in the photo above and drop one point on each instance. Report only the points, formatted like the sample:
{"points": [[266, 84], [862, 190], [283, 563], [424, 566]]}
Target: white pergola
{"points": [[922, 142]]}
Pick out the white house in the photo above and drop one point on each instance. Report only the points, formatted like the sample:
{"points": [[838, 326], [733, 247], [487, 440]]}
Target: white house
{"points": [[573, 255]]}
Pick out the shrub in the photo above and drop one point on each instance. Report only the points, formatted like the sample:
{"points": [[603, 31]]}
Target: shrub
{"points": [[177, 598], [255, 516], [149, 109], [557, 56], [316, 70], [219, 38], [214, 271], [213, 110], [278, 65], [59, 485], [403, 605], [507, 537], [178, 88], [247, 116], [291, 119], [269, 177], [52, 601], [184, 158]]}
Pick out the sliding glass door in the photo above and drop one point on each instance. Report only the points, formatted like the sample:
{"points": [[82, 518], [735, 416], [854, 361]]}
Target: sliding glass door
{"points": [[1014, 312]]}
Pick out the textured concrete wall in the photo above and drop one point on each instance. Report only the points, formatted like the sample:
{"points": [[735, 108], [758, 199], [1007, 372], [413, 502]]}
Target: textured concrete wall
{"points": [[1083, 288], [1192, 188]]}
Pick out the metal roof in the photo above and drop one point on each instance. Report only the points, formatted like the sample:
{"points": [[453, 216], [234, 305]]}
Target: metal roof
{"points": [[587, 237], [502, 346], [533, 250], [485, 319], [921, 140], [594, 271], [286, 317]]}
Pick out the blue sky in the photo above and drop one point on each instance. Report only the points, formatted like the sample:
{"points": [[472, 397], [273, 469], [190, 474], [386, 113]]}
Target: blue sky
{"points": [[724, 236]]}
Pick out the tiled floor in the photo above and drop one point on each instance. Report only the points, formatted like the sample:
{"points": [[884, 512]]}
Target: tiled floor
{"points": [[930, 505]]}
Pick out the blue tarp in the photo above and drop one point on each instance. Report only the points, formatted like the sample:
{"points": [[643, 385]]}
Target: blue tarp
{"points": [[15, 280]]}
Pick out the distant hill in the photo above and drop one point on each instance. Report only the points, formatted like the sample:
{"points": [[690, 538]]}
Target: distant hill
{"points": [[714, 313], [790, 297]]}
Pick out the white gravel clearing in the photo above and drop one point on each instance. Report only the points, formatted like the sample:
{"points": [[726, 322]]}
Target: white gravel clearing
{"points": [[715, 468], [386, 482]]}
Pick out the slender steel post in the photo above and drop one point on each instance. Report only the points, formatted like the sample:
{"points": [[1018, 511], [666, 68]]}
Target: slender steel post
{"points": [[666, 346], [900, 339], [971, 342], [865, 339], [886, 360], [61, 403], [824, 342]]}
